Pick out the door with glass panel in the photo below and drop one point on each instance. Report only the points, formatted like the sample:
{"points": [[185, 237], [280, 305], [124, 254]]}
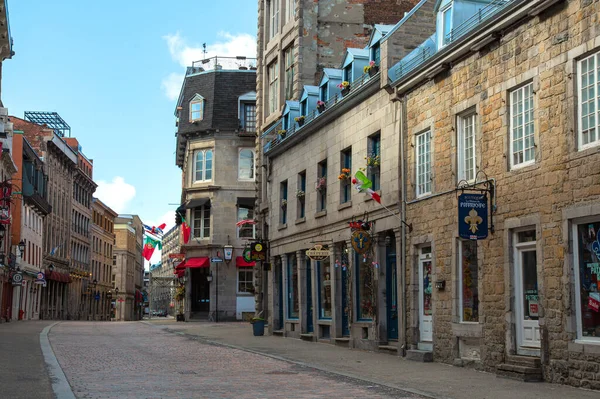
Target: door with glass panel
{"points": [[526, 293], [309, 304], [391, 294], [425, 295]]}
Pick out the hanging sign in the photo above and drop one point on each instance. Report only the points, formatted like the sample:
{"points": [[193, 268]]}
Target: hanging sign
{"points": [[472, 216], [177, 256], [40, 279], [17, 279], [258, 251], [361, 241], [318, 253], [247, 254], [5, 193]]}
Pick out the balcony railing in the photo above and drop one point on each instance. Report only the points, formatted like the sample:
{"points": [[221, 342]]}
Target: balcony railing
{"points": [[312, 115], [429, 48], [222, 63]]}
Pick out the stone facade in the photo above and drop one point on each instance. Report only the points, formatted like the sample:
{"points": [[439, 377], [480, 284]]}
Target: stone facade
{"points": [[103, 242], [128, 266]]}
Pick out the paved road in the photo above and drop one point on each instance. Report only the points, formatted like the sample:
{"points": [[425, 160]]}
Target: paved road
{"points": [[131, 360], [23, 373]]}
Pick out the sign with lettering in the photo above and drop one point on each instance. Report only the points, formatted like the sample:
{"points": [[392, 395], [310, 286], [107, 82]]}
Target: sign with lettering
{"points": [[472, 216], [258, 251], [40, 279], [318, 252]]}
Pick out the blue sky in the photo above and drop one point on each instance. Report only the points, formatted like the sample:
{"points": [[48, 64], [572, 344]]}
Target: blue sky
{"points": [[112, 70]]}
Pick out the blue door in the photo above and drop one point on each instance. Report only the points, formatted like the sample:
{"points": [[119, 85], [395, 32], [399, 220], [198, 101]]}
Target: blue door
{"points": [[280, 284], [392, 293], [309, 304], [345, 307]]}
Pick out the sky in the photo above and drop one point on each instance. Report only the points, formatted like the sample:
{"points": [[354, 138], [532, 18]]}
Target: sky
{"points": [[113, 71]]}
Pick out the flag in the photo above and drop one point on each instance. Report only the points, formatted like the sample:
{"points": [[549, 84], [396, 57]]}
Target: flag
{"points": [[53, 250], [149, 245], [363, 184], [245, 221], [185, 230], [154, 229]]}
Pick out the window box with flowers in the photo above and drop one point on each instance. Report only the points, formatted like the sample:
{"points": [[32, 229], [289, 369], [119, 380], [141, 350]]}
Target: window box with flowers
{"points": [[321, 184], [345, 175], [345, 87], [371, 69], [300, 194], [320, 106], [281, 134], [283, 203], [299, 120], [373, 160]]}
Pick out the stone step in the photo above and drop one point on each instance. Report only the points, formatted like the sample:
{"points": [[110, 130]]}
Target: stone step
{"points": [[520, 373], [528, 361], [278, 333], [419, 355], [342, 341], [391, 349], [307, 337]]}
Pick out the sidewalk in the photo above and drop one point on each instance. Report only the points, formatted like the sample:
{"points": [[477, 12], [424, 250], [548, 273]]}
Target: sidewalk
{"points": [[435, 380]]}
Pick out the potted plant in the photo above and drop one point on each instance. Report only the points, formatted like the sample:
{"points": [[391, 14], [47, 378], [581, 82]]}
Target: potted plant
{"points": [[321, 183], [300, 194], [321, 106], [345, 174], [371, 69], [281, 133], [373, 160], [299, 120], [258, 326], [283, 203], [345, 87]]}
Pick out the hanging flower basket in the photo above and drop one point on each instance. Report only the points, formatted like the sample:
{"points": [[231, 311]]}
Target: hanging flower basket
{"points": [[321, 184], [283, 203], [300, 194], [321, 106], [299, 120], [345, 175], [371, 69], [373, 160], [345, 87]]}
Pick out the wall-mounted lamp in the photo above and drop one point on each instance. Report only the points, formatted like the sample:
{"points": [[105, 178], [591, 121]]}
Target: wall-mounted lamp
{"points": [[228, 252], [21, 246], [209, 278], [51, 267]]}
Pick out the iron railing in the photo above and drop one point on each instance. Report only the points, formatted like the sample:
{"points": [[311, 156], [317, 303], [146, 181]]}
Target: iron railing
{"points": [[228, 63], [482, 15]]}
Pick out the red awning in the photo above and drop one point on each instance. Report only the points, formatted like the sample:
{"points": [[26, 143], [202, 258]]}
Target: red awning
{"points": [[197, 262], [180, 266], [60, 277], [241, 262], [180, 273]]}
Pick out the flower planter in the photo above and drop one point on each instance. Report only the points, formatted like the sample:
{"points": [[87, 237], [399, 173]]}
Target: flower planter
{"points": [[321, 108], [300, 122], [258, 328], [373, 70], [345, 91]]}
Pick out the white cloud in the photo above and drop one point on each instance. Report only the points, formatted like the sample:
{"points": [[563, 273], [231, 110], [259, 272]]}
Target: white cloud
{"points": [[227, 45], [116, 194]]}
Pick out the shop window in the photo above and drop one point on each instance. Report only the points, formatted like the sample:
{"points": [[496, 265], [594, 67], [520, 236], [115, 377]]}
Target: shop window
{"points": [[245, 283], [469, 280], [324, 287], [522, 143], [586, 237], [588, 74], [365, 288], [292, 287]]}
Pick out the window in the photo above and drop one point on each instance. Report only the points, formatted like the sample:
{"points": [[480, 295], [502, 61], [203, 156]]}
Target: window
{"points": [[365, 289], [249, 117], [304, 107], [522, 145], [274, 18], [321, 186], [273, 72], [324, 287], [288, 56], [246, 164], [586, 237], [348, 76], [245, 283], [374, 160], [201, 222], [468, 281], [446, 26], [376, 53], [301, 194], [203, 165], [324, 92], [283, 188], [246, 230], [466, 148], [345, 184], [423, 158], [197, 108], [292, 287], [588, 72], [290, 10]]}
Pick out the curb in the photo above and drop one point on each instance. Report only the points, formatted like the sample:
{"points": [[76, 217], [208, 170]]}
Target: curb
{"points": [[60, 385], [302, 364]]}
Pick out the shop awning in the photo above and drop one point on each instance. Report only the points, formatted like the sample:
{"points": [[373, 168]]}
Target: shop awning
{"points": [[196, 202], [193, 263], [60, 277], [180, 273], [241, 262]]}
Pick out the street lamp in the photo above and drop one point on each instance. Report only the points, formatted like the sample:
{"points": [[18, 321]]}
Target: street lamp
{"points": [[116, 302], [21, 246]]}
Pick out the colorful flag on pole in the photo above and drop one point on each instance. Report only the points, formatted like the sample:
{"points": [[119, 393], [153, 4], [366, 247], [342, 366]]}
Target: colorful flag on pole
{"points": [[156, 230], [245, 221], [185, 230], [149, 245], [363, 184]]}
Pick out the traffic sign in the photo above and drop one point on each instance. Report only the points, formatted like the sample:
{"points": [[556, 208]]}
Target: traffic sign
{"points": [[17, 279], [216, 260]]}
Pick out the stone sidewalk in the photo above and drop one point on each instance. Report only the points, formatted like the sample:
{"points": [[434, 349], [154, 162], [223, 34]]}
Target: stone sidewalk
{"points": [[435, 380]]}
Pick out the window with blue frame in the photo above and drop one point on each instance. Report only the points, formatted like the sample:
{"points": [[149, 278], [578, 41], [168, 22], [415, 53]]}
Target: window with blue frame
{"points": [[365, 288], [292, 287], [374, 160], [345, 183], [324, 92], [348, 76], [376, 53], [301, 194], [283, 189], [324, 288], [447, 25], [304, 108], [321, 186]]}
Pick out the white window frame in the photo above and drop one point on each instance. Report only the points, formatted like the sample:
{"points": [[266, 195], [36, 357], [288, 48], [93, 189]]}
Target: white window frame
{"points": [[202, 209], [290, 10], [595, 73], [253, 167], [467, 131], [204, 153], [251, 281], [239, 218], [523, 96], [449, 8], [423, 169], [197, 99], [273, 75], [578, 312], [460, 280], [288, 59], [273, 18]]}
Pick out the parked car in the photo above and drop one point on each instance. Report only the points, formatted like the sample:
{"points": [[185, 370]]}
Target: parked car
{"points": [[163, 313]]}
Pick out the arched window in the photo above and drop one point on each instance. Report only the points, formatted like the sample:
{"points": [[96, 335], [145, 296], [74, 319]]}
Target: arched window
{"points": [[246, 164], [203, 165]]}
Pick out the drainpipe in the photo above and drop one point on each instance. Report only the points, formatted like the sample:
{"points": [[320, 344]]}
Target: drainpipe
{"points": [[402, 158]]}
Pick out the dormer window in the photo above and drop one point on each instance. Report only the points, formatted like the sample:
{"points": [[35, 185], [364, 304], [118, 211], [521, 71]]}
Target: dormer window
{"points": [[304, 107], [197, 108], [446, 25], [348, 73], [323, 92], [376, 54]]}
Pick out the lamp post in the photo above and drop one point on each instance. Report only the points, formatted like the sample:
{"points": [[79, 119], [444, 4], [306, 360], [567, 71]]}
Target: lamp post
{"points": [[93, 300], [116, 303]]}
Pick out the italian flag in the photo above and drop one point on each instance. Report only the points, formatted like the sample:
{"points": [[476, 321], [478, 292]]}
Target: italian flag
{"points": [[149, 245]]}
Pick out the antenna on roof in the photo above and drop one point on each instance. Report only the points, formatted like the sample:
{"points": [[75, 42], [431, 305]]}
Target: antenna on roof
{"points": [[204, 49]]}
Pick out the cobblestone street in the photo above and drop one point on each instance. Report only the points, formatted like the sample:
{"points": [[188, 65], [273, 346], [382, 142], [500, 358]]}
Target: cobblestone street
{"points": [[130, 360]]}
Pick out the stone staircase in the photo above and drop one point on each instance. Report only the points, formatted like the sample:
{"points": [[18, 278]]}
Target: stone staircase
{"points": [[423, 353], [522, 368]]}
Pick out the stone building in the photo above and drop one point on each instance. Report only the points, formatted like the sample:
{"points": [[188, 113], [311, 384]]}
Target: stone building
{"points": [[163, 278], [216, 151], [103, 242], [84, 285], [128, 270], [500, 104], [308, 200], [61, 162]]}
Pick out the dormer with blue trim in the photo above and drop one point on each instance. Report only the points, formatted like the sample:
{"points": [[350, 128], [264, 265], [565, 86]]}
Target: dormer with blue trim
{"points": [[328, 85], [379, 31], [290, 111], [308, 100], [354, 62], [452, 15]]}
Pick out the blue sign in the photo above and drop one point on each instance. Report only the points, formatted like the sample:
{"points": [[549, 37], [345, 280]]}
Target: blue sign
{"points": [[97, 297], [216, 260], [472, 216]]}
